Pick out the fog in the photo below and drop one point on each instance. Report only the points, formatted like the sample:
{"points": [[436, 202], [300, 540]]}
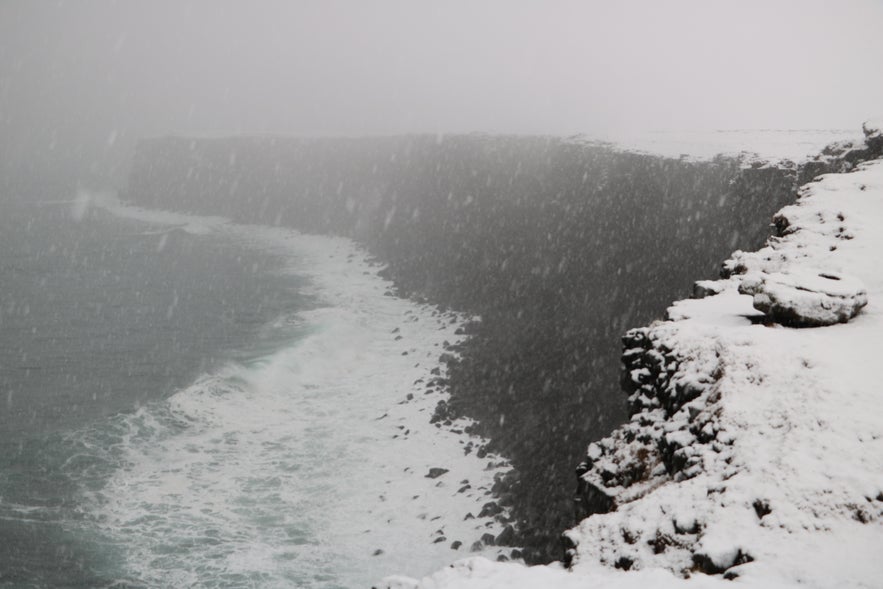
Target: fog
{"points": [[81, 81]]}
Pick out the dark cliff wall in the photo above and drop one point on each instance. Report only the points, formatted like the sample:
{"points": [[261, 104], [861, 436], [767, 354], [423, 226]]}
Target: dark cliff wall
{"points": [[675, 375], [559, 246]]}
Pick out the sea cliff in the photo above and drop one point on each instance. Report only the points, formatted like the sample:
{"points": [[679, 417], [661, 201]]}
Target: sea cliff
{"points": [[734, 444], [754, 449], [557, 245]]}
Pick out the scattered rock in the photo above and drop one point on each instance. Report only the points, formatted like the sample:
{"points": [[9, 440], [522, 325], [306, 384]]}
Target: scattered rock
{"points": [[705, 564], [761, 508], [455, 545], [490, 509], [436, 472], [506, 537]]}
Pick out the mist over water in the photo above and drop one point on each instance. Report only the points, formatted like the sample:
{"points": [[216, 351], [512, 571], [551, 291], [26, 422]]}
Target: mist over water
{"points": [[99, 316], [266, 440]]}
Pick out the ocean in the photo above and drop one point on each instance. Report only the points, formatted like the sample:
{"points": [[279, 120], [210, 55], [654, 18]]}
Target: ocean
{"points": [[189, 402]]}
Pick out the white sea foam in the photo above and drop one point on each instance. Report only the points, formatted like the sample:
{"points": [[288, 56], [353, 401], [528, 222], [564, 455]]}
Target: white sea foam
{"points": [[305, 467]]}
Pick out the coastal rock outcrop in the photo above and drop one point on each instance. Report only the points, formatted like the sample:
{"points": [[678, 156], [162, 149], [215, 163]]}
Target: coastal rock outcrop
{"points": [[805, 297], [750, 450], [843, 156]]}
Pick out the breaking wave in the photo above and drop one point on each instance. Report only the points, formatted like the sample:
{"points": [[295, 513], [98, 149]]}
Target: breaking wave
{"points": [[301, 463]]}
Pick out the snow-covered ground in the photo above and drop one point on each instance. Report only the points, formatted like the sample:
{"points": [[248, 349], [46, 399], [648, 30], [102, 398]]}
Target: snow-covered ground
{"points": [[755, 448]]}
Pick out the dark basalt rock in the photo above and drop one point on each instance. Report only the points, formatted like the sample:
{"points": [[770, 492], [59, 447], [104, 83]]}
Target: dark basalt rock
{"points": [[435, 472], [590, 499], [873, 138], [490, 509], [761, 508], [704, 564], [506, 537]]}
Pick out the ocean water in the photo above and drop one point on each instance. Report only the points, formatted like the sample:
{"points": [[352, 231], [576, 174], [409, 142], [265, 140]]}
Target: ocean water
{"points": [[192, 403]]}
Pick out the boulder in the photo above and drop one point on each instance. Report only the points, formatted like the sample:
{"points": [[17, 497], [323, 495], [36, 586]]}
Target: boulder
{"points": [[506, 537], [706, 288], [805, 298]]}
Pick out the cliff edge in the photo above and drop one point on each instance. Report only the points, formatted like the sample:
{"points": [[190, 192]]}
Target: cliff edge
{"points": [[755, 444], [557, 245]]}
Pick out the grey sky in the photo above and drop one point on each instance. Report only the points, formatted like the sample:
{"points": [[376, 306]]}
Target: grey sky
{"points": [[90, 77]]}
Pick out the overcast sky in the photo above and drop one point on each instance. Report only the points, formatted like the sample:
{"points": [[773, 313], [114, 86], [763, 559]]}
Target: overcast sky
{"points": [[91, 76]]}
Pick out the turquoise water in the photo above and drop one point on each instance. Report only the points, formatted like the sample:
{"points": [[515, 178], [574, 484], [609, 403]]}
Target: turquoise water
{"points": [[101, 320], [192, 403]]}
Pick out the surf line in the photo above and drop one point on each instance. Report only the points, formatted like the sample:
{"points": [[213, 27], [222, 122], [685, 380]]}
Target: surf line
{"points": [[416, 490]]}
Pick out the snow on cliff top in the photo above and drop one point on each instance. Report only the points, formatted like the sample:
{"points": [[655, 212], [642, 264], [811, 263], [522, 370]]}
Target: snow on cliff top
{"points": [[781, 480], [794, 145]]}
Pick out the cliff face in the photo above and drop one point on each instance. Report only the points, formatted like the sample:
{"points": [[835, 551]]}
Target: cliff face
{"points": [[558, 246], [753, 447]]}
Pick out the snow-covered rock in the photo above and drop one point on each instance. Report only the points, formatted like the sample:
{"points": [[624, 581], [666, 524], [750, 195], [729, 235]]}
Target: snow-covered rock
{"points": [[754, 450], [873, 130], [805, 297], [842, 156]]}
